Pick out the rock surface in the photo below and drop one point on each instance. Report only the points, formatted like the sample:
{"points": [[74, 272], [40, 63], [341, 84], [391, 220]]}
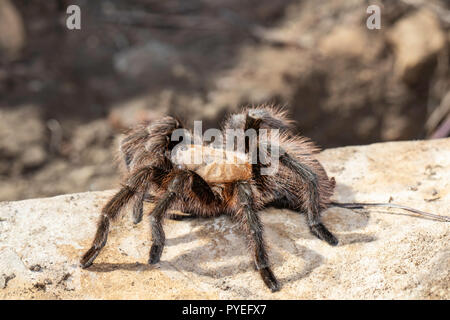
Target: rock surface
{"points": [[383, 253], [22, 140]]}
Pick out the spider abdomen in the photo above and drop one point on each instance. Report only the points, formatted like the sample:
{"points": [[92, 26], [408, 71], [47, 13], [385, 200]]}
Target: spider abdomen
{"points": [[214, 165]]}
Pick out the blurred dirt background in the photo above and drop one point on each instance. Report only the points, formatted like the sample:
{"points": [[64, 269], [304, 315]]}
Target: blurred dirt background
{"points": [[67, 95]]}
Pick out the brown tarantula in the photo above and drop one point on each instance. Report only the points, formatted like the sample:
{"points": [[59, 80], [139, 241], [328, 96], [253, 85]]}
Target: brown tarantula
{"points": [[212, 187]]}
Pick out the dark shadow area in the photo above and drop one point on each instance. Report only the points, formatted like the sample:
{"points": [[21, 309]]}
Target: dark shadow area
{"points": [[109, 267]]}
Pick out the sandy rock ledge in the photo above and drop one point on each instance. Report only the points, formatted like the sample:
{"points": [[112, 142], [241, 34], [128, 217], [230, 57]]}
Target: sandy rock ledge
{"points": [[383, 253]]}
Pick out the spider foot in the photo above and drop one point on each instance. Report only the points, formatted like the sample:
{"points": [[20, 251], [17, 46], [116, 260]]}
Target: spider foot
{"points": [[269, 279], [89, 257], [155, 254], [137, 219], [321, 232]]}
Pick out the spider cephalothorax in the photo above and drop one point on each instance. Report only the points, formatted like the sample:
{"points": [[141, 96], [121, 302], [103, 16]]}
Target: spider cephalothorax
{"points": [[224, 181]]}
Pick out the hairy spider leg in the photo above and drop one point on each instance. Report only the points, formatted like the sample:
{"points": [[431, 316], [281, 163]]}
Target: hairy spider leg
{"points": [[182, 180], [138, 207], [140, 180], [157, 215], [310, 202], [155, 137], [252, 226], [311, 199], [158, 235]]}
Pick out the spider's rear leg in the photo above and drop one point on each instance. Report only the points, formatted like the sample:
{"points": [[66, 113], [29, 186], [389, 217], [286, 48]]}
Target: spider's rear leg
{"points": [[252, 225], [311, 201], [140, 180]]}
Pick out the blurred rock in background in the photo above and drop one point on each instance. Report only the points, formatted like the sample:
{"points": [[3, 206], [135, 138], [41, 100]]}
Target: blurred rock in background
{"points": [[67, 95], [12, 36]]}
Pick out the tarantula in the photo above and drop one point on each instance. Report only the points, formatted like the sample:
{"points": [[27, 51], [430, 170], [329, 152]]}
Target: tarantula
{"points": [[155, 171]]}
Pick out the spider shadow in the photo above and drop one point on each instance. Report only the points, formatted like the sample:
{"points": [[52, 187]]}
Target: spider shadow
{"points": [[222, 244], [110, 267], [197, 262]]}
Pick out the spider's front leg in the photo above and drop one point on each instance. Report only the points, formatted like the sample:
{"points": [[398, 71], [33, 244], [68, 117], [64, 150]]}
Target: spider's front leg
{"points": [[138, 182], [157, 215], [252, 225]]}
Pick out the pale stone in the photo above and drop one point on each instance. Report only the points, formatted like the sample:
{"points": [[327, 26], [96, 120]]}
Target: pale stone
{"points": [[382, 254], [12, 30], [347, 40], [416, 39]]}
